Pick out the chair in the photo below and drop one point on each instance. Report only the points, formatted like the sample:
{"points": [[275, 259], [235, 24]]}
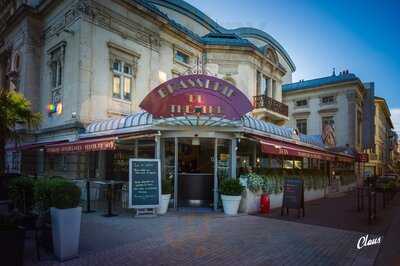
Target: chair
{"points": [[124, 196]]}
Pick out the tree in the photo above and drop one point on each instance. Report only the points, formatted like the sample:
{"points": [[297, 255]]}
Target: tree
{"points": [[15, 110]]}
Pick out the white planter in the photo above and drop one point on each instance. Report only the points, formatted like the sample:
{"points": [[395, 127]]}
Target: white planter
{"points": [[250, 202], [66, 225], [164, 202], [230, 204]]}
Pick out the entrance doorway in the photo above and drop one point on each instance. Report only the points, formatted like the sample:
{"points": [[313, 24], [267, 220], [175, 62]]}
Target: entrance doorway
{"points": [[195, 172]]}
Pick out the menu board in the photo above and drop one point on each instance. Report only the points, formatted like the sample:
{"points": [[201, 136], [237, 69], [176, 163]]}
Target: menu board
{"points": [[144, 183], [293, 194]]}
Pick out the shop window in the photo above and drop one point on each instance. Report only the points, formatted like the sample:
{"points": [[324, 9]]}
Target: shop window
{"points": [[56, 64], [122, 80], [306, 163], [297, 164], [301, 103], [301, 125], [288, 164], [182, 57], [328, 99], [276, 162]]}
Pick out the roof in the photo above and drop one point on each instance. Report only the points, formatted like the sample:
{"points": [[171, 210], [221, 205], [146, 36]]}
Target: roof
{"points": [[144, 120], [314, 83], [219, 33]]}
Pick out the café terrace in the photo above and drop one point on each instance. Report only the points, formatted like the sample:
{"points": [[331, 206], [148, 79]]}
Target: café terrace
{"points": [[202, 130]]}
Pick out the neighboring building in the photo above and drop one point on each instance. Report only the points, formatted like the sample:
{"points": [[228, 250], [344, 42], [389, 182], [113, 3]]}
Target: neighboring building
{"points": [[81, 61], [337, 101], [380, 157]]}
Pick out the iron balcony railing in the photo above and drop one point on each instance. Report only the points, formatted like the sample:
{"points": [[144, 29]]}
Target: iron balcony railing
{"points": [[263, 101]]}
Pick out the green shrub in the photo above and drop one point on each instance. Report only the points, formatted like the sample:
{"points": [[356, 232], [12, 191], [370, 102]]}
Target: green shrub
{"points": [[55, 192], [166, 186], [65, 195], [255, 182], [21, 193], [231, 187]]}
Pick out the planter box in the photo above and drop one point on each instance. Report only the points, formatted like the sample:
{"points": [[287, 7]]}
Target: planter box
{"points": [[251, 201], [66, 225]]}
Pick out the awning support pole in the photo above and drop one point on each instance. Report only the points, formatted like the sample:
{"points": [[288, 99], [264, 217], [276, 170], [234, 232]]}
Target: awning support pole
{"points": [[215, 204], [233, 157], [176, 174]]}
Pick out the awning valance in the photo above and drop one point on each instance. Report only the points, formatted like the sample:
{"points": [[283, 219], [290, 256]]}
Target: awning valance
{"points": [[32, 146], [274, 147], [98, 144], [344, 158]]}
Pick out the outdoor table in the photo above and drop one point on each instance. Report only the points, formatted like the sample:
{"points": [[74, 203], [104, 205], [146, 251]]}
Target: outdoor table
{"points": [[87, 187], [110, 195]]}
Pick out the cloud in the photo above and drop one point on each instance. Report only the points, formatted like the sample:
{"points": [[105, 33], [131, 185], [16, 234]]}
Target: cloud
{"points": [[396, 118]]}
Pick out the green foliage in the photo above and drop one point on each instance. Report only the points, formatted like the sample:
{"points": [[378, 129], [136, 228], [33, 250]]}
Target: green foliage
{"points": [[21, 193], [15, 109], [166, 186], [255, 182], [274, 179], [231, 187], [55, 192]]}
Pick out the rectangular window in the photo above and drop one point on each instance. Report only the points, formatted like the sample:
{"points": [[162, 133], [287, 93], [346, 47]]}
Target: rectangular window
{"points": [[328, 120], [301, 125], [258, 83], [265, 85], [122, 80], [328, 99], [182, 57], [116, 86], [273, 89], [56, 63], [301, 103]]}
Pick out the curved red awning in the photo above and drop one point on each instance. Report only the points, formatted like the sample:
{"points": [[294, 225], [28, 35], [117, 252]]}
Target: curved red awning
{"points": [[275, 147], [98, 144]]}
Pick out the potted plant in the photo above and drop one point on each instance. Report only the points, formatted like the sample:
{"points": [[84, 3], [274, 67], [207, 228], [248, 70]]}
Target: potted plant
{"points": [[231, 191], [60, 198], [21, 194], [166, 188], [11, 240]]}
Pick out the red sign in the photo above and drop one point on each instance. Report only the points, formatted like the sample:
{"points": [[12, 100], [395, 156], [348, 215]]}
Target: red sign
{"points": [[362, 157], [83, 146], [196, 95]]}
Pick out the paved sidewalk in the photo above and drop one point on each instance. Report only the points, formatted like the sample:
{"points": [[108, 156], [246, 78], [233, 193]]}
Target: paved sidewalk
{"points": [[389, 253], [213, 239], [341, 213]]}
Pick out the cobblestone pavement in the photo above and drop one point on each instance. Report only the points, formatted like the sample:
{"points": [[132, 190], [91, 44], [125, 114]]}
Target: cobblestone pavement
{"points": [[213, 239]]}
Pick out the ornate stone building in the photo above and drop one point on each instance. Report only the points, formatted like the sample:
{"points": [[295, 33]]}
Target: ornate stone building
{"points": [[79, 61], [382, 156], [336, 100]]}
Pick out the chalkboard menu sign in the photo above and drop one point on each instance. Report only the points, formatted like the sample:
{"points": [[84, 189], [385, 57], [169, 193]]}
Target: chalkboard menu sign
{"points": [[293, 195], [144, 183]]}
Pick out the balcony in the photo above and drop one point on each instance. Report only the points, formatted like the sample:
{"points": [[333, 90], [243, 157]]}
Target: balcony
{"points": [[269, 109]]}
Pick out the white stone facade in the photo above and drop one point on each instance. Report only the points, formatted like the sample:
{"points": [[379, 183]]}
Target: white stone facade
{"points": [[84, 37]]}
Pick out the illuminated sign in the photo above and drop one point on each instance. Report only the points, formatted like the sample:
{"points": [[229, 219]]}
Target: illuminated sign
{"points": [[362, 157], [198, 95]]}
